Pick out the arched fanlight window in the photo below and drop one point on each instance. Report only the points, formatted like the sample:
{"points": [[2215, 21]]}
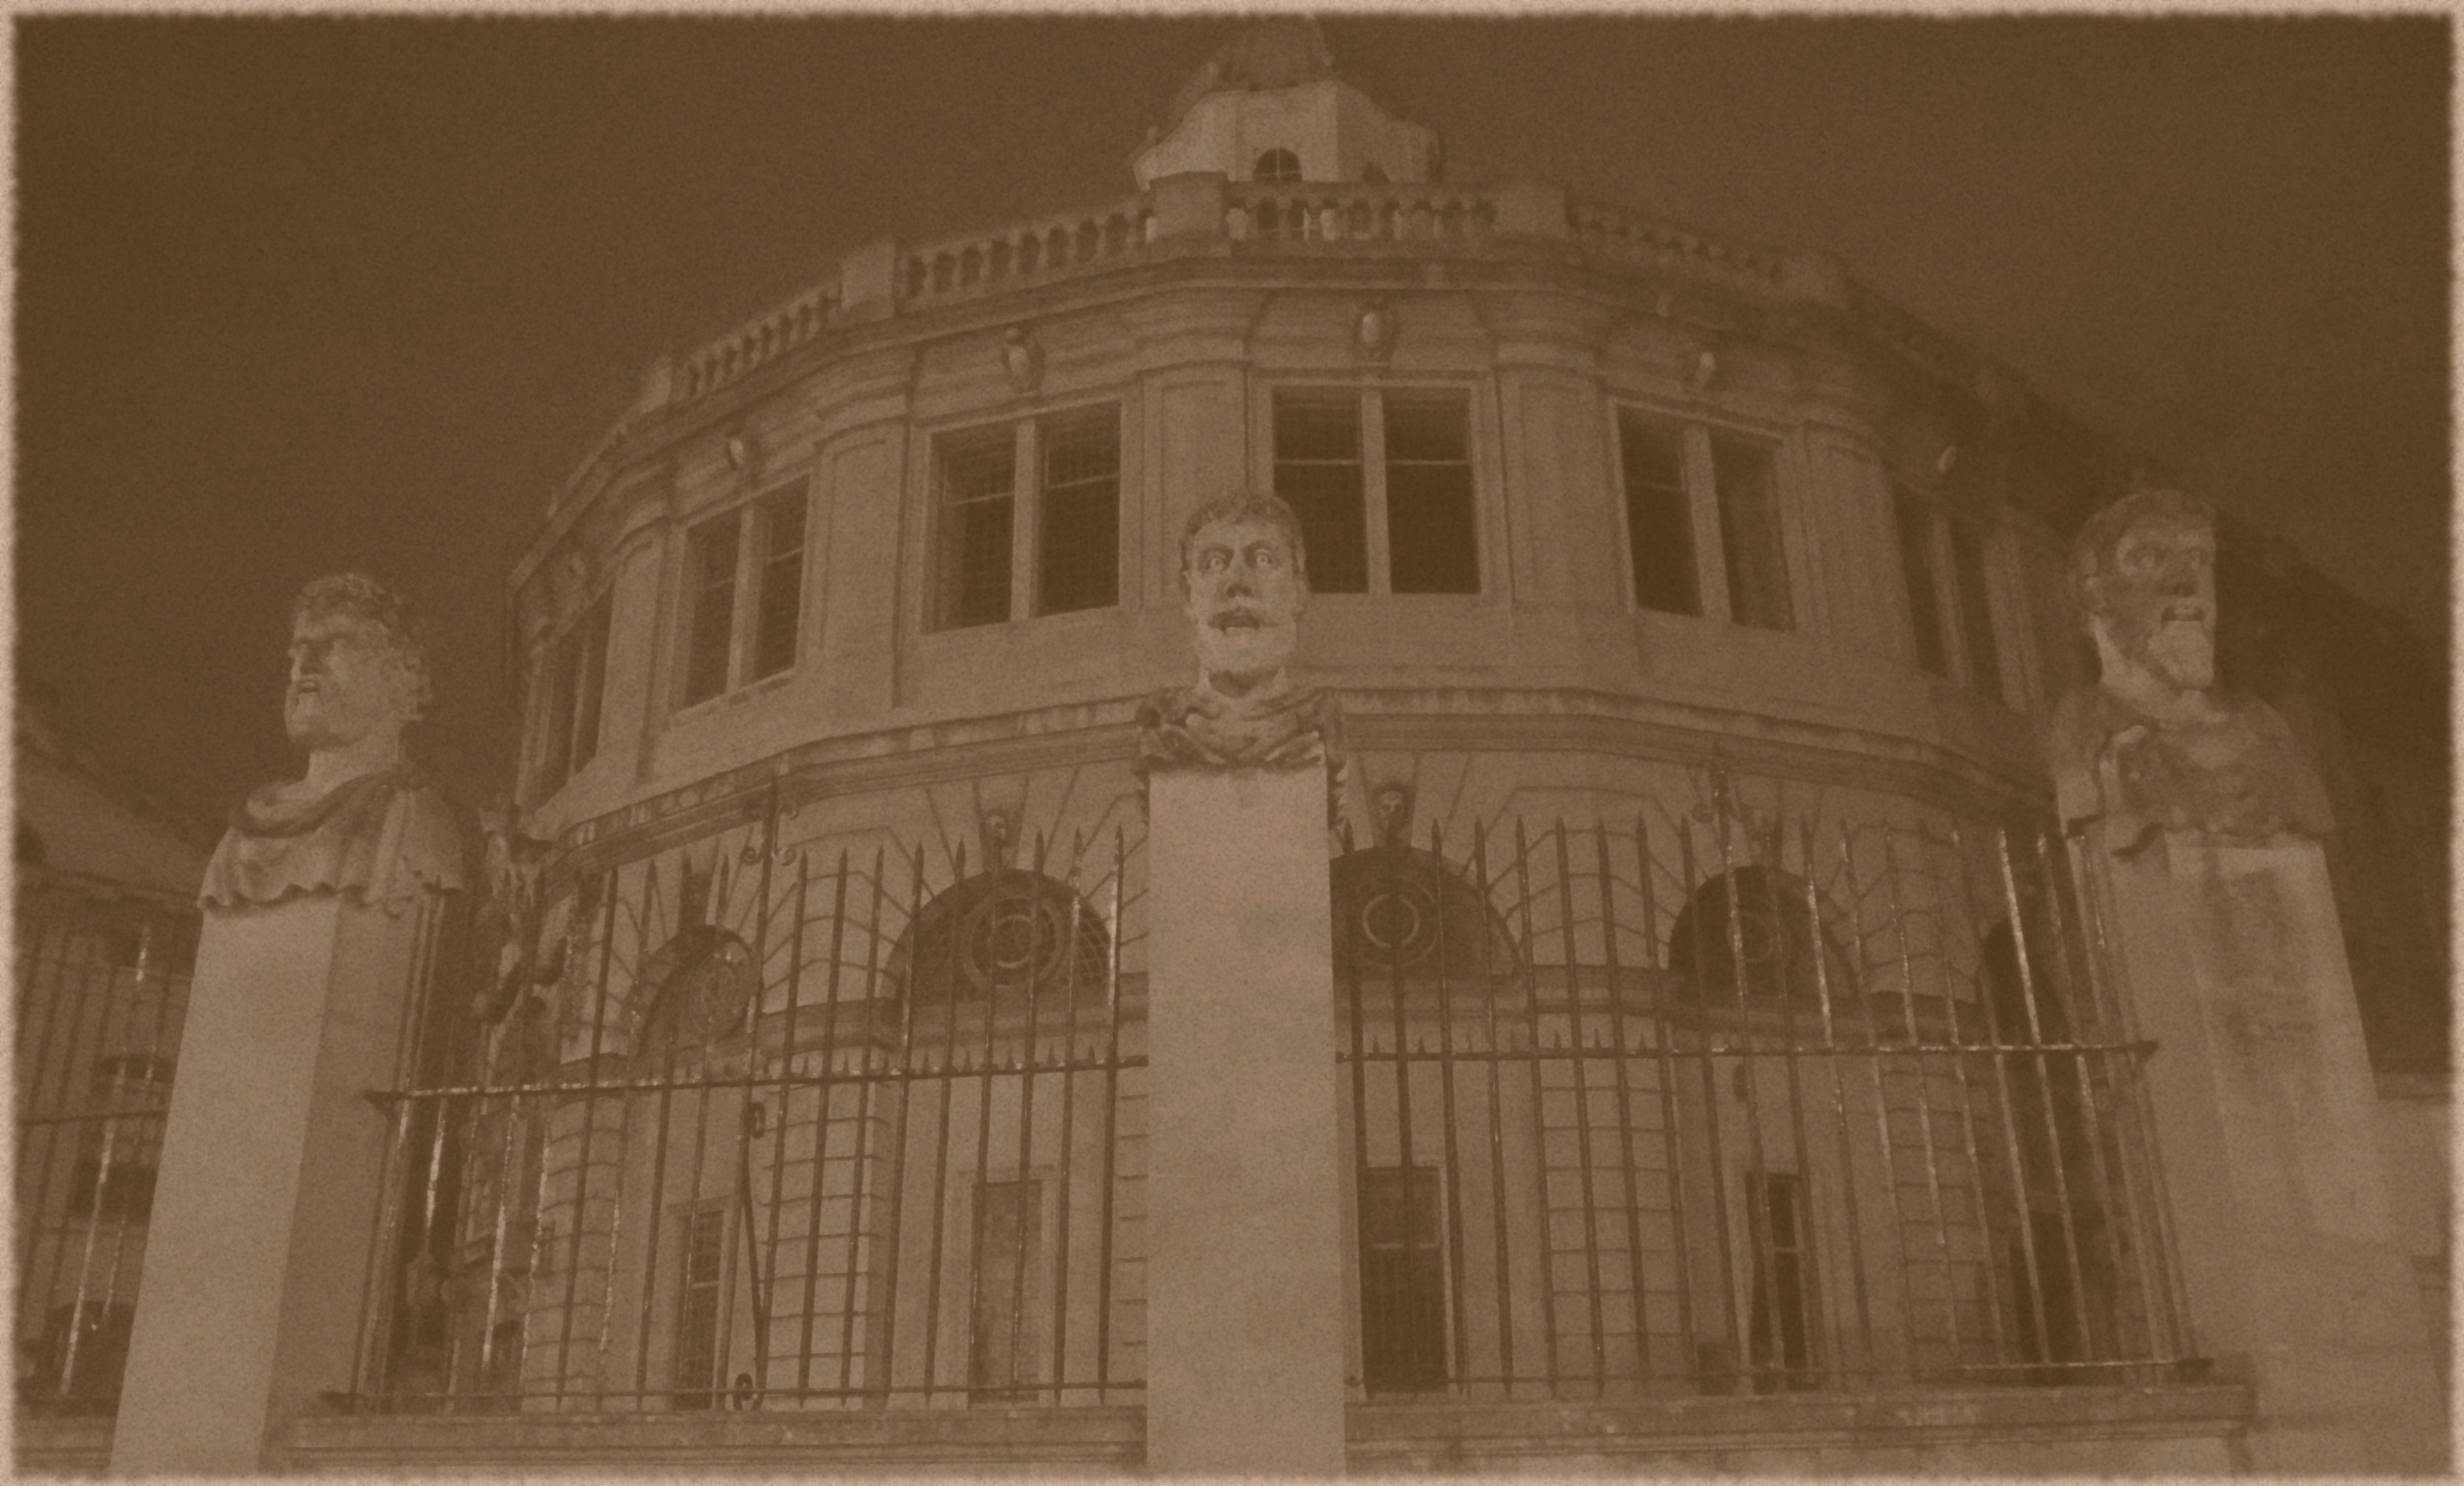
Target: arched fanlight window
{"points": [[702, 983], [1278, 165], [1003, 934], [1771, 952], [1402, 911]]}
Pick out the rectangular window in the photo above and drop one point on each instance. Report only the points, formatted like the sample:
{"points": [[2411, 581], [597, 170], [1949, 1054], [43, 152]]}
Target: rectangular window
{"points": [[1779, 1334], [979, 474], [778, 581], [1431, 544], [1029, 519], [1078, 538], [710, 622], [1915, 521], [1402, 1281], [1320, 474], [702, 1264], [1975, 609], [1003, 1351], [1658, 524], [1381, 481], [1749, 534], [576, 675]]}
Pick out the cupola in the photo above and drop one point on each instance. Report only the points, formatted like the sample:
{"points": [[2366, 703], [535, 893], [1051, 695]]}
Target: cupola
{"points": [[1269, 106]]}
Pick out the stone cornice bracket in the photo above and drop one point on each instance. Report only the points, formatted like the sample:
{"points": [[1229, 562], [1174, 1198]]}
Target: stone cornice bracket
{"points": [[1372, 330]]}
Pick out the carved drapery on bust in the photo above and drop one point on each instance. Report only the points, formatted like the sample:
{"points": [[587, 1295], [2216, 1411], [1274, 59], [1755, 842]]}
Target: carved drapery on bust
{"points": [[1244, 583], [362, 820], [2155, 743]]}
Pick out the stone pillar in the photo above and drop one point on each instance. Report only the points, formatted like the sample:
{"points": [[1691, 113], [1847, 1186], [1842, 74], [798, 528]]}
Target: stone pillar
{"points": [[269, 1186], [2230, 958], [1245, 1310]]}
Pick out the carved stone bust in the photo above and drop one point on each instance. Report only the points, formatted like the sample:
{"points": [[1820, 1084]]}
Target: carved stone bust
{"points": [[2156, 744], [362, 820], [1244, 583]]}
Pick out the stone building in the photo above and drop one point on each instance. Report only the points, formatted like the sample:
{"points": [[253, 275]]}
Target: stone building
{"points": [[1727, 1071]]}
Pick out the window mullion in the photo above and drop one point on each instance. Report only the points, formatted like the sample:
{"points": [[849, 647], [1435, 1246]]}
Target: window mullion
{"points": [[1946, 589], [1373, 482], [1703, 505], [1026, 503], [746, 609]]}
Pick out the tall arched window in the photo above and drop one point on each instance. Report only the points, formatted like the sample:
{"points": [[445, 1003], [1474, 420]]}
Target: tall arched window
{"points": [[1750, 928], [1003, 935], [1278, 165]]}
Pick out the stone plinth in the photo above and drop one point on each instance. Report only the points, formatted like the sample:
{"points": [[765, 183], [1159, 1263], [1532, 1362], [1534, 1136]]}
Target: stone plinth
{"points": [[1244, 1301], [270, 1183], [2233, 961]]}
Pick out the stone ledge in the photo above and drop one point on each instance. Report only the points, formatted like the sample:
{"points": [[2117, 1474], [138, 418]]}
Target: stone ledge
{"points": [[61, 1447], [937, 1441], [1832, 1432]]}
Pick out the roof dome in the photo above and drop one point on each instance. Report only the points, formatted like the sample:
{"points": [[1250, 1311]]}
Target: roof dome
{"points": [[1281, 52]]}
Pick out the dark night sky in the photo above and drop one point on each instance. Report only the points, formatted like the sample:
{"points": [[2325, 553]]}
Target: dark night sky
{"points": [[302, 294]]}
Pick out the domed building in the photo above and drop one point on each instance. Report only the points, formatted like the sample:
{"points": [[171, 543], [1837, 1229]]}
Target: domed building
{"points": [[1714, 1017]]}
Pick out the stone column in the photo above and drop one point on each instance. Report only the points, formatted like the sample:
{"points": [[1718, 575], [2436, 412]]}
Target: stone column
{"points": [[1244, 1298], [270, 1184], [2230, 958]]}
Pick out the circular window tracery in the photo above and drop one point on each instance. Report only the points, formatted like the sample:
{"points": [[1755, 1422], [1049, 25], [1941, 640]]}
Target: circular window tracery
{"points": [[1403, 911], [1750, 928], [1004, 934], [703, 983]]}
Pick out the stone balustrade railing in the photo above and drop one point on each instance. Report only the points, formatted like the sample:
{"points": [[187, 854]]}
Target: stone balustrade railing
{"points": [[750, 346], [1204, 213], [1113, 233], [1335, 213]]}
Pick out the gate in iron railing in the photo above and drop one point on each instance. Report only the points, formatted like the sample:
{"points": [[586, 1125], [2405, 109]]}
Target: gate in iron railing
{"points": [[827, 1125], [1640, 1114], [99, 1011]]}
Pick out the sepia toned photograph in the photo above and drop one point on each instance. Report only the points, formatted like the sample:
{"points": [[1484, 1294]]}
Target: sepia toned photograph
{"points": [[1231, 745]]}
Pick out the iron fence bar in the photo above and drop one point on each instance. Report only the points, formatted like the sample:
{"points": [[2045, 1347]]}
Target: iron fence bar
{"points": [[1028, 1218], [82, 997], [102, 1188], [505, 1184], [824, 1085], [1998, 1060], [1356, 992], [868, 1081], [906, 1099], [2045, 1098], [1821, 1343], [655, 1226], [1065, 1167], [1758, 1230], [786, 1106], [611, 885], [1453, 1186], [1705, 1046], [1577, 1038], [155, 1119], [1873, 1063], [1670, 1129], [1409, 1171], [1111, 1115], [1848, 1182], [1925, 1103], [941, 1136], [1529, 976], [756, 1284], [2019, 1184], [1496, 1122], [1631, 1174]]}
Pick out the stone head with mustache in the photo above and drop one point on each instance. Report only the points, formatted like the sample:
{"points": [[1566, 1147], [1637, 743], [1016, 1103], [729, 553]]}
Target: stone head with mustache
{"points": [[2156, 743]]}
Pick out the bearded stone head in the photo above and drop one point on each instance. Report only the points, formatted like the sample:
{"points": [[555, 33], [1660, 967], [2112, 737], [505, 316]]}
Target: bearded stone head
{"points": [[359, 663], [1244, 581], [2146, 571]]}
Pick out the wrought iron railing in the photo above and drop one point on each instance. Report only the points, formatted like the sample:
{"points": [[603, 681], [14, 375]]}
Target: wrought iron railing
{"points": [[1639, 1115], [795, 1127], [99, 1013]]}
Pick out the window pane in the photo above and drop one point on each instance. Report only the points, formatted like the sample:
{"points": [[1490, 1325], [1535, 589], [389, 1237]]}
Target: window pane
{"points": [[1402, 1281], [1660, 529], [1003, 1333], [1078, 540], [1915, 519], [556, 722], [1431, 542], [594, 682], [711, 569], [779, 602], [1317, 473], [1975, 610], [978, 472], [696, 1354], [1749, 533]]}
